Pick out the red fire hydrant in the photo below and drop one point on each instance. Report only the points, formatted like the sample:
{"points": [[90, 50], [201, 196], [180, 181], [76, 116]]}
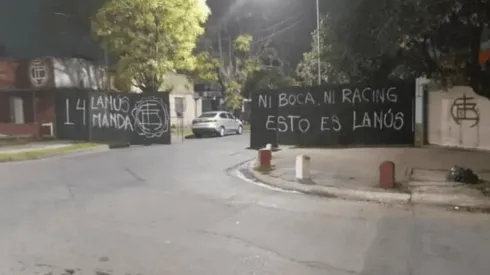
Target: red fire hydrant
{"points": [[265, 157]]}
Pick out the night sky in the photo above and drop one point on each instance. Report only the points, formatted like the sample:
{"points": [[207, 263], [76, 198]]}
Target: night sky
{"points": [[25, 31], [287, 23]]}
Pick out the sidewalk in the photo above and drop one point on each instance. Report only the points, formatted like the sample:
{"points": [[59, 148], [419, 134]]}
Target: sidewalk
{"points": [[31, 150], [420, 173], [34, 146]]}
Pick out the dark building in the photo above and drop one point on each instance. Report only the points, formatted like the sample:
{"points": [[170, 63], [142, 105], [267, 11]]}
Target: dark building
{"points": [[212, 97]]}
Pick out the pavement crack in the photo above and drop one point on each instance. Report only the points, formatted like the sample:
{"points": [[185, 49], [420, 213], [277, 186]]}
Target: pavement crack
{"points": [[136, 176], [310, 264], [67, 185]]}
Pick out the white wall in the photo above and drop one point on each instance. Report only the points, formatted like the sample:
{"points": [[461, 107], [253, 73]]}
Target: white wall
{"points": [[192, 109], [444, 129], [78, 73]]}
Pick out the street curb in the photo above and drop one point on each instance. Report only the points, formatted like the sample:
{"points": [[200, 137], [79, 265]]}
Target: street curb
{"points": [[368, 195], [450, 200], [327, 191]]}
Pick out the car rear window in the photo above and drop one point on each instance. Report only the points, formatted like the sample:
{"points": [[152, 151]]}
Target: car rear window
{"points": [[207, 115]]}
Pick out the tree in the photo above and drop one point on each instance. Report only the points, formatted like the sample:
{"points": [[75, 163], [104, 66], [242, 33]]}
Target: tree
{"points": [[269, 79], [231, 74], [451, 48], [252, 66], [270, 75], [409, 38], [351, 50], [151, 37], [332, 69]]}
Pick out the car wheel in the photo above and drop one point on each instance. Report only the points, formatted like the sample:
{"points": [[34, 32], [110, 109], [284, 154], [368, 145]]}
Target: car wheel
{"points": [[222, 131], [197, 135], [239, 131]]}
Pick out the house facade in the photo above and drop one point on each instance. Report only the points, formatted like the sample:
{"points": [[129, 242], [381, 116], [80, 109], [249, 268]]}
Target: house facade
{"points": [[28, 88], [188, 101]]}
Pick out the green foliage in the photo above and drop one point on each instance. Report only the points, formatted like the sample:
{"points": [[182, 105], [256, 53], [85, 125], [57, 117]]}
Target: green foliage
{"points": [[269, 79], [251, 68], [336, 66], [206, 68], [243, 45], [151, 37], [230, 74], [378, 39]]}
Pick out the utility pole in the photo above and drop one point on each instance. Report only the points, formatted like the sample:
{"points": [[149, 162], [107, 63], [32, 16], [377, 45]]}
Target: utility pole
{"points": [[157, 39], [106, 60], [229, 49], [220, 47], [318, 41]]}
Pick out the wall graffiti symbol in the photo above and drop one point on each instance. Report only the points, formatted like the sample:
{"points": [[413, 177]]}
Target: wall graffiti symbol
{"points": [[39, 73], [465, 109], [151, 117]]}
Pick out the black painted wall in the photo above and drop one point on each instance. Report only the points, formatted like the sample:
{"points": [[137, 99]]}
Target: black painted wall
{"points": [[72, 116], [114, 118], [110, 117], [334, 115]]}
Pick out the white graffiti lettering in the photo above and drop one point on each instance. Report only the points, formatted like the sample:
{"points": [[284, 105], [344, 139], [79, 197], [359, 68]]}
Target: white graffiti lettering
{"points": [[329, 97], [79, 106], [289, 123], [295, 99], [354, 96], [149, 116], [330, 123], [265, 101], [379, 120], [67, 113], [111, 103], [112, 120]]}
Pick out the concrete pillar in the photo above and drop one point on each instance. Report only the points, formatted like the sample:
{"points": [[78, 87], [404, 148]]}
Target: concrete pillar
{"points": [[303, 167], [387, 174], [420, 110]]}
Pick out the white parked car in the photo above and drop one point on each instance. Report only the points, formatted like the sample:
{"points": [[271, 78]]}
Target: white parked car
{"points": [[216, 123]]}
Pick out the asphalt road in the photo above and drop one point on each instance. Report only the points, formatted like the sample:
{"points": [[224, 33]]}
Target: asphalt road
{"points": [[177, 210]]}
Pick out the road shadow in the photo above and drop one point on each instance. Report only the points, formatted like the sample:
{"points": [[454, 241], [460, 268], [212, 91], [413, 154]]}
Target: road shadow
{"points": [[201, 137]]}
